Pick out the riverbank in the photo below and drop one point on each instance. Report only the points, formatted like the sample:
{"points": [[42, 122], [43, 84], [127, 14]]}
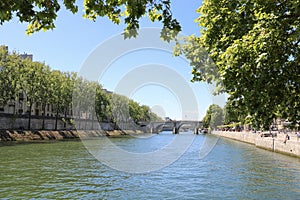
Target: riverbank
{"points": [[277, 144], [20, 135]]}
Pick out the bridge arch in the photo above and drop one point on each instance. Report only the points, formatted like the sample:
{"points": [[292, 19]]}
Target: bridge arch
{"points": [[156, 127]]}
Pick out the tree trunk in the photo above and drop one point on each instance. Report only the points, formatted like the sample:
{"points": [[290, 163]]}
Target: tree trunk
{"points": [[92, 120], [79, 120], [56, 116], [44, 112], [29, 116], [65, 122]]}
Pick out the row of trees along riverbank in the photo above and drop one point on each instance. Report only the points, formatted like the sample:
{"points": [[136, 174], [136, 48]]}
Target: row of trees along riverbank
{"points": [[26, 82], [229, 118]]}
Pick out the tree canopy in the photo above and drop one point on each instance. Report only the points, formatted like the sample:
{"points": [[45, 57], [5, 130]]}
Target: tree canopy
{"points": [[214, 117], [255, 49], [65, 91], [41, 14]]}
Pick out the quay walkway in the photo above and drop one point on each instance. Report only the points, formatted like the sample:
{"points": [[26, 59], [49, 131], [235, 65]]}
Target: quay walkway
{"points": [[277, 144]]}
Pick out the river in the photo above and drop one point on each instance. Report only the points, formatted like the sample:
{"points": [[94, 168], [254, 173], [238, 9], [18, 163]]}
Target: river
{"points": [[232, 170]]}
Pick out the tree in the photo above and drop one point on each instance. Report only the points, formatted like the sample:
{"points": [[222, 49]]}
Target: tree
{"points": [[214, 117], [45, 92], [31, 81], [232, 113], [67, 93], [88, 102], [10, 76], [135, 111], [41, 14], [57, 97], [102, 107], [154, 117], [85, 99], [119, 106], [255, 46]]}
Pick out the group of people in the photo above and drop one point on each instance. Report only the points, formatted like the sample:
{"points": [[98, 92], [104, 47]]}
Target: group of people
{"points": [[287, 137]]}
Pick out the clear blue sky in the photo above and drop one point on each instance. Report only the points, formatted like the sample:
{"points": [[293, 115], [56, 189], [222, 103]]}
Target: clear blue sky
{"points": [[67, 46], [74, 38]]}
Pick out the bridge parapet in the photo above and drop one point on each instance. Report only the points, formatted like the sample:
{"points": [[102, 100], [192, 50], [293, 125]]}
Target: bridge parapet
{"points": [[156, 127]]}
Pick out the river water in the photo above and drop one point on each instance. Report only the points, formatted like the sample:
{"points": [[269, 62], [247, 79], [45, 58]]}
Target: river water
{"points": [[232, 170]]}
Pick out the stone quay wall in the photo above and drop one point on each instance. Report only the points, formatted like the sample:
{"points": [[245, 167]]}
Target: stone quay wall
{"points": [[13, 128], [277, 144], [20, 122], [39, 135]]}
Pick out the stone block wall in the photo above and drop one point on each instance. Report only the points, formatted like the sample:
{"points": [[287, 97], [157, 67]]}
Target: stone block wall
{"points": [[290, 147], [11, 122]]}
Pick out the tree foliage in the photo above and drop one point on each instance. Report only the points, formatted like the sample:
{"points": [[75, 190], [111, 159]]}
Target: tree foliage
{"points": [[214, 117], [41, 14], [9, 75], [232, 113], [255, 48], [65, 91]]}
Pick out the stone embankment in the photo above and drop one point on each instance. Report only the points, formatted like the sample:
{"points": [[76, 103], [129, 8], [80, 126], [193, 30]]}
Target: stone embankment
{"points": [[15, 135], [277, 144]]}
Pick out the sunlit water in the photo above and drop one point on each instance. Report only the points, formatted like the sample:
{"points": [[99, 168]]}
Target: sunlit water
{"points": [[232, 170]]}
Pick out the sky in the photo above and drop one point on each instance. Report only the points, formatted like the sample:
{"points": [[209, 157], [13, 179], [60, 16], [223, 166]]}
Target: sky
{"points": [[74, 39]]}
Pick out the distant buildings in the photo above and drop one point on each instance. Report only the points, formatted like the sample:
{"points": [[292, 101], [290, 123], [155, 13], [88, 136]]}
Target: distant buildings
{"points": [[107, 91], [22, 56], [26, 56]]}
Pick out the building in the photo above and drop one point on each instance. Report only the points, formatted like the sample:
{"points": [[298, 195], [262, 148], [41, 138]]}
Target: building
{"points": [[26, 56]]}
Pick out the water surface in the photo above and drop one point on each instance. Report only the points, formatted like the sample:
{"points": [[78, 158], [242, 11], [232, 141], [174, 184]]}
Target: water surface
{"points": [[232, 170]]}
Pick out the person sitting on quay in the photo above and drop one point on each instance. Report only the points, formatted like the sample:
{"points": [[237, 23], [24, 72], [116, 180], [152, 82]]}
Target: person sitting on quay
{"points": [[287, 137]]}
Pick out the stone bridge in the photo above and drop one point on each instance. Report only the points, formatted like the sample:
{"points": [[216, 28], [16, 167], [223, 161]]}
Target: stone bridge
{"points": [[174, 126]]}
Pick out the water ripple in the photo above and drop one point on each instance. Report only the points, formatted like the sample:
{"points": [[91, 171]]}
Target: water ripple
{"points": [[66, 170]]}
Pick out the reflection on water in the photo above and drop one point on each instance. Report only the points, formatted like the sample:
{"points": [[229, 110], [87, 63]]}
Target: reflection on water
{"points": [[66, 170]]}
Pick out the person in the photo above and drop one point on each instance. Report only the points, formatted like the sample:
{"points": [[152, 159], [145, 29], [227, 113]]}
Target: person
{"points": [[287, 137], [298, 135]]}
